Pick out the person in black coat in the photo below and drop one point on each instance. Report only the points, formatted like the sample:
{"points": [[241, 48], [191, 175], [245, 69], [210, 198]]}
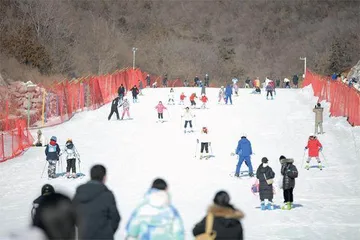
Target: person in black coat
{"points": [[263, 173], [148, 80], [135, 92], [226, 219], [114, 108], [97, 216], [289, 172], [46, 190], [121, 92], [295, 80]]}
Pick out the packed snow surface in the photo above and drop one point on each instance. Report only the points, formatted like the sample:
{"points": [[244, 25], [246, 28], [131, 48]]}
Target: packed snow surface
{"points": [[327, 202]]}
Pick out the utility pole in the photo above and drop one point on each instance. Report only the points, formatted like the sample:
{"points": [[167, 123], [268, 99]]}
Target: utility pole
{"points": [[304, 59], [134, 52]]}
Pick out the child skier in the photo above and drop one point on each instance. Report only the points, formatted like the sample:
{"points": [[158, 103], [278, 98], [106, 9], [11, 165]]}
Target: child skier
{"points": [[135, 92], [205, 143], [289, 173], [236, 89], [114, 108], [126, 108], [182, 98], [221, 94], [71, 155], [269, 90], [192, 100], [187, 116], [160, 110], [204, 100], [52, 152], [171, 97], [266, 177], [314, 147]]}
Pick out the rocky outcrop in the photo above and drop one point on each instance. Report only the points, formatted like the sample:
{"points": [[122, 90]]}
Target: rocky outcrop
{"points": [[354, 74]]}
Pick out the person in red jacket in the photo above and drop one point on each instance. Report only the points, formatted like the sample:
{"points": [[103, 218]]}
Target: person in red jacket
{"points": [[192, 100], [182, 98], [314, 147], [204, 100]]}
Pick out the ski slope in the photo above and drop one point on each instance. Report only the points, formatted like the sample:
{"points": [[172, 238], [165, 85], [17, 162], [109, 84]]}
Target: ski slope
{"points": [[137, 151]]}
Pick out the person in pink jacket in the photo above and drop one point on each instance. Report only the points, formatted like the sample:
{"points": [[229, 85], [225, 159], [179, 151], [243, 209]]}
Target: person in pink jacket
{"points": [[160, 109]]}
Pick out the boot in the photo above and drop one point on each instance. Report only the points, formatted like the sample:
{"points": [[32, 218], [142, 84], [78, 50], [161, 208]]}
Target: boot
{"points": [[67, 175], [237, 175], [269, 206], [320, 166], [251, 174], [307, 166], [73, 175], [287, 206], [262, 205]]}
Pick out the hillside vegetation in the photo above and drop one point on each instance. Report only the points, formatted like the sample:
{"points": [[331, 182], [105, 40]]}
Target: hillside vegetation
{"points": [[181, 38]]}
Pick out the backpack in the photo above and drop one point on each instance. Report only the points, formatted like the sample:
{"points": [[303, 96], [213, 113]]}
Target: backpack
{"points": [[209, 233]]}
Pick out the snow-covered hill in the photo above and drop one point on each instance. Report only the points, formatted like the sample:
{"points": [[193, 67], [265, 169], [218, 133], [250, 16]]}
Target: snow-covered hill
{"points": [[137, 151]]}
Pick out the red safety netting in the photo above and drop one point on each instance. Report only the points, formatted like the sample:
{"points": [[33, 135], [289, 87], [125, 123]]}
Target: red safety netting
{"points": [[43, 106], [345, 100]]}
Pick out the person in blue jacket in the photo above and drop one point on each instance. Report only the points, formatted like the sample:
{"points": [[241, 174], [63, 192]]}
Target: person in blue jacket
{"points": [[244, 151], [228, 93]]}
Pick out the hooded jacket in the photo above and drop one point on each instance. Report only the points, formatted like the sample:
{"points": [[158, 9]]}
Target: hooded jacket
{"points": [[244, 148], [289, 172], [318, 114], [226, 223], [155, 218], [228, 90], [187, 116], [314, 146], [97, 216], [71, 151]]}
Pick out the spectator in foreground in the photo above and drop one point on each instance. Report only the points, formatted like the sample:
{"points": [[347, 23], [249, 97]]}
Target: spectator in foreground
{"points": [[224, 217], [46, 190], [97, 216], [155, 218], [56, 217]]}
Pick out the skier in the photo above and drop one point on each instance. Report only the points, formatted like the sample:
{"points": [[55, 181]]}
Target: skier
{"points": [[318, 110], [165, 80], [247, 82], [187, 116], [269, 91], [40, 141], [314, 147], [204, 100], [52, 152], [171, 97], [272, 84], [148, 80], [192, 100], [121, 92], [228, 93], [46, 190], [203, 89], [71, 155], [236, 89], [289, 172], [287, 82], [140, 88], [182, 98], [295, 80], [266, 176], [205, 143], [206, 80], [196, 81], [244, 151], [221, 94], [134, 92], [114, 108], [126, 108], [160, 110], [154, 85]]}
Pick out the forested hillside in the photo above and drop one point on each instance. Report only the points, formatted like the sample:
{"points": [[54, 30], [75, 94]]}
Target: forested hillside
{"points": [[181, 38]]}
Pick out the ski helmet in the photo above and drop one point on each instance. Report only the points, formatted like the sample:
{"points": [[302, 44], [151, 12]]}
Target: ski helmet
{"points": [[53, 138], [47, 189]]}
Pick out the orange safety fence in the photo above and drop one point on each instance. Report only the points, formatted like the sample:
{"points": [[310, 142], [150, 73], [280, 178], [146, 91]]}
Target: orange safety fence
{"points": [[44, 106], [345, 100]]}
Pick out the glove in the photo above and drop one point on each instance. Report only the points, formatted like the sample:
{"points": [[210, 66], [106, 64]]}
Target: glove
{"points": [[232, 154], [305, 148], [320, 149]]}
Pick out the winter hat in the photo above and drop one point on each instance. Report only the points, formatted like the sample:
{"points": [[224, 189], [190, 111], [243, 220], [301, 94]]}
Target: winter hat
{"points": [[222, 198], [53, 138], [205, 130], [282, 157], [159, 184], [264, 160], [47, 189], [318, 104]]}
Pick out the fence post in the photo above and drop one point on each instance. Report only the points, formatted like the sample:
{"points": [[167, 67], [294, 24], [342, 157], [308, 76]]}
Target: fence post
{"points": [[28, 111], [43, 108], [2, 146]]}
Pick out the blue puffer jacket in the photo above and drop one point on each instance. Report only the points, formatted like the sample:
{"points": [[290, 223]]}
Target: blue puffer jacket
{"points": [[244, 147], [228, 90]]}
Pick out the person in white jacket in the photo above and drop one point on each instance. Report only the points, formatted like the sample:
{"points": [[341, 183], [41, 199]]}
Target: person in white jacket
{"points": [[187, 116], [71, 155], [171, 97], [40, 141], [205, 142]]}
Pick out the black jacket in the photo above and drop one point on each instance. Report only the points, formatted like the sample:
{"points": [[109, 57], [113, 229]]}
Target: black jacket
{"points": [[289, 172], [96, 211], [115, 103], [52, 152], [134, 91], [265, 190], [226, 223], [121, 90]]}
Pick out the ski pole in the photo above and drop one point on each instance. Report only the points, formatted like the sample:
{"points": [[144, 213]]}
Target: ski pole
{"points": [[44, 169], [302, 163], [181, 122], [211, 151], [197, 143], [324, 158]]}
